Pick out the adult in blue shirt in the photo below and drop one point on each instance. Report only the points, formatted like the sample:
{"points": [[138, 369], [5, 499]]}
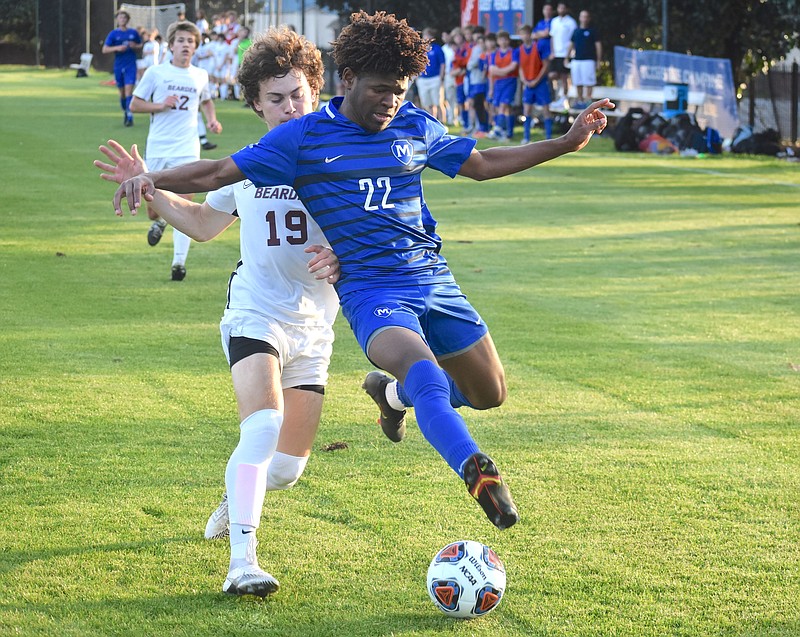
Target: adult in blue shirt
{"points": [[587, 53], [123, 43], [357, 166]]}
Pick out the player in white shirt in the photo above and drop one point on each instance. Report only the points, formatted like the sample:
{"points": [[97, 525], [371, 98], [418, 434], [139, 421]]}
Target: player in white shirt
{"points": [[277, 327], [173, 94], [561, 29]]}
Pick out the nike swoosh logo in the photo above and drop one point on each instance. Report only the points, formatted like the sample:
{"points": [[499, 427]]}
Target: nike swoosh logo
{"points": [[328, 160], [246, 532]]}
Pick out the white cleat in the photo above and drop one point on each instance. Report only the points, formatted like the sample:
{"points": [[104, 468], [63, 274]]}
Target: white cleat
{"points": [[218, 525], [250, 580]]}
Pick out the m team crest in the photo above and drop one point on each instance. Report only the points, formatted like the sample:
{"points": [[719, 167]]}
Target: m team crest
{"points": [[403, 151]]}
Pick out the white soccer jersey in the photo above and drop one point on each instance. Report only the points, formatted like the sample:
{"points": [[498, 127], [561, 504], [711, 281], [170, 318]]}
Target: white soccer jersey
{"points": [[272, 277], [173, 133]]}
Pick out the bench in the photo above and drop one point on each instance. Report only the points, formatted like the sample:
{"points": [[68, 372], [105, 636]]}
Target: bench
{"points": [[83, 66], [625, 97]]}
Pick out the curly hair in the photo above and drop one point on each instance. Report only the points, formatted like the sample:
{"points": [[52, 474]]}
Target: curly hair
{"points": [[382, 44], [274, 54]]}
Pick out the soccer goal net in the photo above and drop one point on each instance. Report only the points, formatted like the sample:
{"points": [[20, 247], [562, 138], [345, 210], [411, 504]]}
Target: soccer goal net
{"points": [[151, 17]]}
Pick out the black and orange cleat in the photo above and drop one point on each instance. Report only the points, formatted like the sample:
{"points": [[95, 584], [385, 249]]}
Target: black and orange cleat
{"points": [[485, 484], [392, 421]]}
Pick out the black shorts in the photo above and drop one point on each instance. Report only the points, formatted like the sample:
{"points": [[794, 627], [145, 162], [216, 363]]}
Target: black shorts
{"points": [[557, 66]]}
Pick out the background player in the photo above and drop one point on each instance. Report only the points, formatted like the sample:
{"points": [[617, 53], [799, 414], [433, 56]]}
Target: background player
{"points": [[504, 69], [123, 42], [364, 188], [173, 94], [277, 327], [535, 84]]}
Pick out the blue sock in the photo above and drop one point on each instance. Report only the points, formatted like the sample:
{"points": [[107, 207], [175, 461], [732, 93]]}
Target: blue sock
{"points": [[510, 125], [442, 426], [122, 103], [457, 399], [548, 128], [464, 117], [526, 128], [128, 101]]}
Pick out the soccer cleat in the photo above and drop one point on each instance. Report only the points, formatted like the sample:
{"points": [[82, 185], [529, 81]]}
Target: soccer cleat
{"points": [[178, 273], [392, 422], [207, 145], [128, 121], [485, 484], [155, 232], [219, 525], [250, 580]]}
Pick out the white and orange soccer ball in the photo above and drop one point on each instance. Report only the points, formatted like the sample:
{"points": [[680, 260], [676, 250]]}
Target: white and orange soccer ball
{"points": [[466, 579]]}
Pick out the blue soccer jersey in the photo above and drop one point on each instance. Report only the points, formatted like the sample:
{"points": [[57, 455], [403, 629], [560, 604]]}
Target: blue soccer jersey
{"points": [[364, 189], [120, 36]]}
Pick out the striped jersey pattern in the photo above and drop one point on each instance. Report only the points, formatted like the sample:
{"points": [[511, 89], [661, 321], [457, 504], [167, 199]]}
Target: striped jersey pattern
{"points": [[364, 189]]}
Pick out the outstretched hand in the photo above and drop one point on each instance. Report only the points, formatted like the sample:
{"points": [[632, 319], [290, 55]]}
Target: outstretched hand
{"points": [[124, 165], [590, 121]]}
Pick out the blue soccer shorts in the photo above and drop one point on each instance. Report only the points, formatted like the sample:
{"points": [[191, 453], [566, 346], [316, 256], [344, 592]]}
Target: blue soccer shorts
{"points": [[125, 75], [539, 94], [505, 90], [439, 313]]}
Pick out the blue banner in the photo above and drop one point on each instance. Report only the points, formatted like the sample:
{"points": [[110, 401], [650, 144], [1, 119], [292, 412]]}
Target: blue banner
{"points": [[712, 76]]}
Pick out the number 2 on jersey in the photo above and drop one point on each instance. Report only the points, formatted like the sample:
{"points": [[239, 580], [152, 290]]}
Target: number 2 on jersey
{"points": [[380, 182]]}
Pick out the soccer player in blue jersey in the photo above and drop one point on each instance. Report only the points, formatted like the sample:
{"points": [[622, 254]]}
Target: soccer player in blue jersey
{"points": [[123, 42], [357, 166]]}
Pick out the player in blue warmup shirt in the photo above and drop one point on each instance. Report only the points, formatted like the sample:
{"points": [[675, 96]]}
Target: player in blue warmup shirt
{"points": [[357, 166], [123, 42]]}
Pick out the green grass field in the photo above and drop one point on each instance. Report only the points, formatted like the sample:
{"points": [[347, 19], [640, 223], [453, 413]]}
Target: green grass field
{"points": [[645, 308]]}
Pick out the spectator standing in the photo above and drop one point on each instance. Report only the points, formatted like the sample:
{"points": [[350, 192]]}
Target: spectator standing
{"points": [[449, 103], [504, 70], [150, 52], [489, 47], [123, 42], [201, 23], [535, 85], [477, 85], [561, 29], [541, 34], [431, 81], [588, 53], [459, 74]]}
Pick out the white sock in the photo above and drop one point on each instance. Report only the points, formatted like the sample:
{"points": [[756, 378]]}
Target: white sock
{"points": [[246, 473], [284, 471], [246, 477], [392, 398], [180, 247], [246, 481]]}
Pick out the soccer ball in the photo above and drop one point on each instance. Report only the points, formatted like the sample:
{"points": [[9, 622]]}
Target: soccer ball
{"points": [[466, 579]]}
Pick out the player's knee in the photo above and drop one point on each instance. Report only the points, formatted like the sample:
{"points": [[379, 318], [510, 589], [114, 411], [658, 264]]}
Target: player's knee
{"points": [[284, 471], [490, 395]]}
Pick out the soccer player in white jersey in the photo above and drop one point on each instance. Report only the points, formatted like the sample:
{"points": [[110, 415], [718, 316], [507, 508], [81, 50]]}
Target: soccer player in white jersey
{"points": [[173, 94], [277, 327], [357, 166]]}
